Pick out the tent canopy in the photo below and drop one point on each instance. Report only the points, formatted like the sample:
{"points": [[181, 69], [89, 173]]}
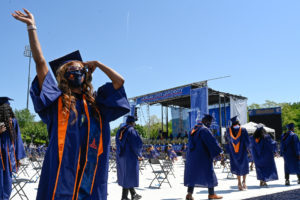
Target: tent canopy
{"points": [[251, 127]]}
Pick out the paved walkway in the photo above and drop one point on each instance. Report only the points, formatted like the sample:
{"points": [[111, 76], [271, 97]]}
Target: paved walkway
{"points": [[227, 187]]}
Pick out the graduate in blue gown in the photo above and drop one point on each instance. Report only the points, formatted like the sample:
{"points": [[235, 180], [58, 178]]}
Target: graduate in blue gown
{"points": [[129, 153], [290, 150], [11, 147], [263, 149], [202, 148], [238, 144], [171, 153], [153, 153], [76, 161]]}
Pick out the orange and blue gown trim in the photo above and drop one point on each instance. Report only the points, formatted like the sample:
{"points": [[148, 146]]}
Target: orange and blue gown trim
{"points": [[238, 144], [10, 153], [75, 165]]}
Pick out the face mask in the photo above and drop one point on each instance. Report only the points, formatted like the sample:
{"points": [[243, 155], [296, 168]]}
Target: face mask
{"points": [[74, 78]]}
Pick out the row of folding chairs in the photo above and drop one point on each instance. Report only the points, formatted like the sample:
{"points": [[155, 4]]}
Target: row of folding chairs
{"points": [[28, 172]]}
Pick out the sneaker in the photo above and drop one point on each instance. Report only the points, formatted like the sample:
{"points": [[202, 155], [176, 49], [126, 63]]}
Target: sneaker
{"points": [[214, 196], [287, 182], [136, 197]]}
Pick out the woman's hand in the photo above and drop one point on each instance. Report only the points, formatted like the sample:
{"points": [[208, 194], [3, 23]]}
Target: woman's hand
{"points": [[2, 129], [26, 17], [117, 79], [92, 65]]}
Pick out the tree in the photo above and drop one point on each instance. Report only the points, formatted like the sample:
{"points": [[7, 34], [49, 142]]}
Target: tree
{"points": [[254, 106], [24, 117], [114, 131], [36, 132], [141, 130]]}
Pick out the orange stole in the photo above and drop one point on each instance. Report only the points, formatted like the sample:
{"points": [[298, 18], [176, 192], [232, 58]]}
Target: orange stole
{"points": [[236, 146], [62, 131], [195, 129], [2, 160], [122, 132]]}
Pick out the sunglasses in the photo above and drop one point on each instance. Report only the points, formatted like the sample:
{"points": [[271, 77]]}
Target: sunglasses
{"points": [[77, 68]]}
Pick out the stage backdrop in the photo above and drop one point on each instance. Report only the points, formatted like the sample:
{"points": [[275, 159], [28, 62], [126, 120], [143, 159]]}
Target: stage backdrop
{"points": [[238, 107], [180, 121], [214, 111], [199, 105]]}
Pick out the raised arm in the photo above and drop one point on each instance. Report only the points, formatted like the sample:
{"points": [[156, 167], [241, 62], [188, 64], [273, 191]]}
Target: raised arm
{"points": [[115, 77], [41, 65]]}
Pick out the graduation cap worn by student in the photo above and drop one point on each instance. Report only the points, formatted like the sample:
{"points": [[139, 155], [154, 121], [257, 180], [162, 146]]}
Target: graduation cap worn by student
{"points": [[4, 100], [57, 63], [208, 117], [290, 126], [234, 120], [130, 119]]}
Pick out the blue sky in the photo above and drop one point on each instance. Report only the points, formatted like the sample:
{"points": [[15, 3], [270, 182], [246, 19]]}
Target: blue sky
{"points": [[159, 44]]}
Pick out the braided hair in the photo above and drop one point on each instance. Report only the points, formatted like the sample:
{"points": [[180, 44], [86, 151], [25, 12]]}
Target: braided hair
{"points": [[6, 113]]}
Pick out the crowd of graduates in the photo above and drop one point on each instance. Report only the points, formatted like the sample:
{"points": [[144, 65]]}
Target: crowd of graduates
{"points": [[76, 162]]}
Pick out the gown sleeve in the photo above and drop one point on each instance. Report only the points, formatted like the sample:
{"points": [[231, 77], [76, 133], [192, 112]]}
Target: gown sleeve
{"points": [[113, 103], [211, 143], [296, 145], [135, 142], [271, 143], [19, 146], [43, 98]]}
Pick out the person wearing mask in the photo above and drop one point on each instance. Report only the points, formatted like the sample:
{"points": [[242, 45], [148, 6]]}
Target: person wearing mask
{"points": [[238, 144], [202, 148], [129, 153], [77, 119]]}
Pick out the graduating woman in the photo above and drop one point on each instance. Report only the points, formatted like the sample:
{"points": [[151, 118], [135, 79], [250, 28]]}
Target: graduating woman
{"points": [[238, 143], [263, 149], [76, 161], [11, 147]]}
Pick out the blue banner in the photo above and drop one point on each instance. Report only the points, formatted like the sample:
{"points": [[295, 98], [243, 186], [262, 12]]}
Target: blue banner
{"points": [[215, 112], [199, 105], [265, 111], [164, 95]]}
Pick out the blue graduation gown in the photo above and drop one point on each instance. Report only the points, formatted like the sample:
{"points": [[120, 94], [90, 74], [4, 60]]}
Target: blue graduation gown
{"points": [[171, 154], [111, 103], [239, 162], [154, 153], [202, 148], [290, 150], [129, 148], [15, 152], [263, 156]]}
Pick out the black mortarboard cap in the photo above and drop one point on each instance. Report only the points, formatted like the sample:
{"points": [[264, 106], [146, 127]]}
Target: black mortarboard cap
{"points": [[234, 119], [57, 63], [130, 119], [290, 126], [208, 117], [4, 100]]}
